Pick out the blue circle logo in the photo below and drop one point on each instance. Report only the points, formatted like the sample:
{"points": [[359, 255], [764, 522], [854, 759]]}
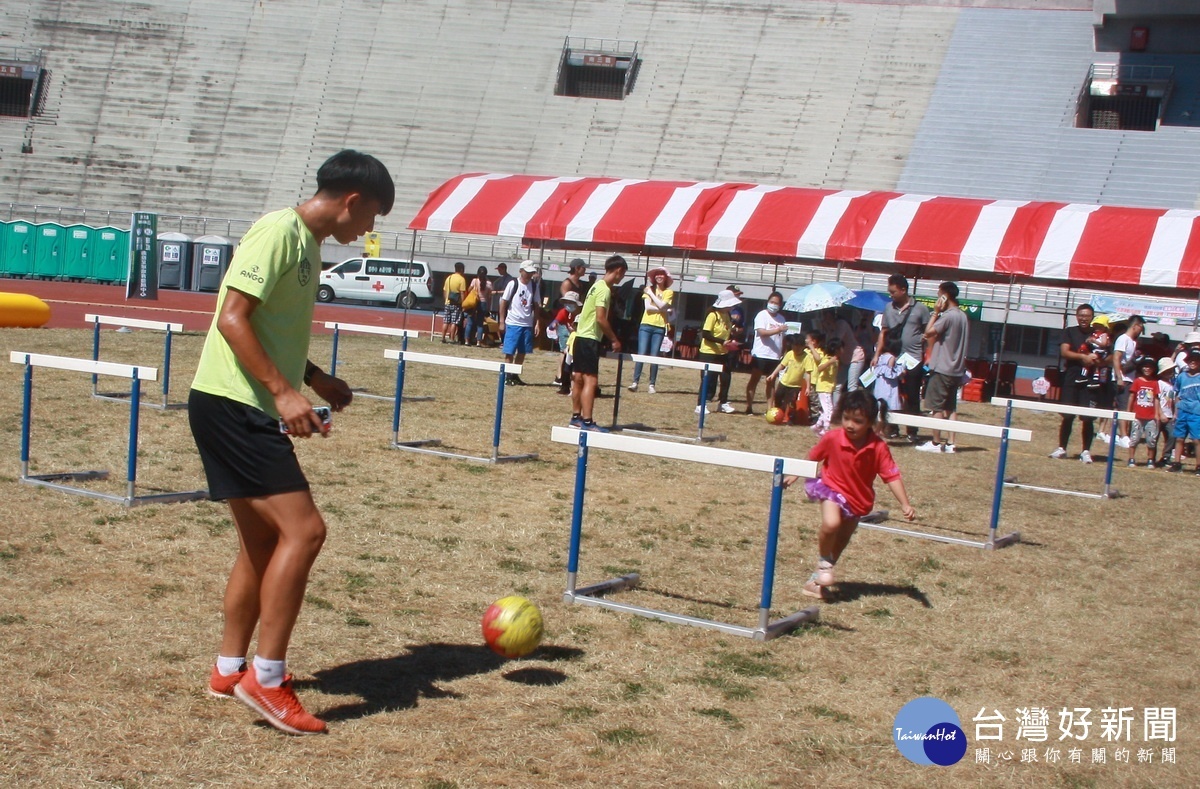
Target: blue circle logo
{"points": [[927, 731]]}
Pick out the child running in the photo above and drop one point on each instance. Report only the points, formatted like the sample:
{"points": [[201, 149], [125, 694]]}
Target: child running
{"points": [[851, 457]]}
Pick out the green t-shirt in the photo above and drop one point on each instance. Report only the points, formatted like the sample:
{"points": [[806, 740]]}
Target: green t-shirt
{"points": [[599, 295], [277, 262]]}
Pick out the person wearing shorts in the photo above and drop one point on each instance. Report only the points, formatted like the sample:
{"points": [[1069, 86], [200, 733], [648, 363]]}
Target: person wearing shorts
{"points": [[520, 311], [246, 391], [948, 333], [593, 324]]}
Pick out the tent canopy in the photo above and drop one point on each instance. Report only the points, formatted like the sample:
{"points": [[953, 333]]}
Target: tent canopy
{"points": [[1071, 244]]}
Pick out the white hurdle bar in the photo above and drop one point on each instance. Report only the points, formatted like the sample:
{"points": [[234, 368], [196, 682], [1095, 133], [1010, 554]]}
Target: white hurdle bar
{"points": [[1108, 491], [135, 323], [776, 466], [359, 328], [665, 361], [1004, 433], [136, 375], [502, 368]]}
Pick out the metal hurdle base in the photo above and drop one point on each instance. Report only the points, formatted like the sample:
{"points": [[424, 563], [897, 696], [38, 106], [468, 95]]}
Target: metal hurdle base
{"points": [[423, 446], [766, 630], [875, 521], [53, 481], [1109, 492], [646, 430], [123, 397]]}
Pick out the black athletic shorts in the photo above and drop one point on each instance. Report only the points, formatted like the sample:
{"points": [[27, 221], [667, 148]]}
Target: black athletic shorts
{"points": [[243, 452], [585, 356], [765, 365]]}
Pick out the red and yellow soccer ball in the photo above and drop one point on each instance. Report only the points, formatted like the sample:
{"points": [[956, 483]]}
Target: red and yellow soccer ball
{"points": [[776, 416], [512, 627]]}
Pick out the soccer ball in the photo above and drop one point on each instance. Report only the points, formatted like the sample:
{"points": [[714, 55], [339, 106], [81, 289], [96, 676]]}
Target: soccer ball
{"points": [[512, 627], [776, 416]]}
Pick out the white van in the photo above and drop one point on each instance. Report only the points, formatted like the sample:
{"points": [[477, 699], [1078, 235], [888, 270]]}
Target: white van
{"points": [[399, 282]]}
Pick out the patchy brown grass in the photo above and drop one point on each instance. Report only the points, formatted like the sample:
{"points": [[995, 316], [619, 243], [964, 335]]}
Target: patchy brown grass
{"points": [[110, 616]]}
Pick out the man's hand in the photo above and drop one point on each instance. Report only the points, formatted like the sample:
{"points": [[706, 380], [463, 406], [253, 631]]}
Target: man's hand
{"points": [[297, 413], [332, 390]]}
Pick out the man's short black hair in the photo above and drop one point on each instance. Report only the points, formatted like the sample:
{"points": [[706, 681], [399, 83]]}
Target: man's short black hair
{"points": [[460, 267], [899, 281], [350, 171], [615, 262], [950, 289]]}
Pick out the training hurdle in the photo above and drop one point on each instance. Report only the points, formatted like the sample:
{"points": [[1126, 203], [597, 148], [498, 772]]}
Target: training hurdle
{"points": [[776, 466], [1005, 433], [1108, 491], [54, 481], [135, 323], [359, 328], [423, 445], [665, 361]]}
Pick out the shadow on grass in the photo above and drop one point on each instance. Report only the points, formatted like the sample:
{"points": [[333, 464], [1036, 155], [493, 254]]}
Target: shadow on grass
{"points": [[399, 682], [847, 592]]}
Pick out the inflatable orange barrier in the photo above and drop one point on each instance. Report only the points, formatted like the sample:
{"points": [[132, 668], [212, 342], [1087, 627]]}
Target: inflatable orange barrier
{"points": [[22, 310]]}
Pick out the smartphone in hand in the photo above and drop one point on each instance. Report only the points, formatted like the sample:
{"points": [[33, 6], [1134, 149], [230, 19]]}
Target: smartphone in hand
{"points": [[323, 412]]}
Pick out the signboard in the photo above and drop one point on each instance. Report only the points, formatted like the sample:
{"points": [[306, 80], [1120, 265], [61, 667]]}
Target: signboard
{"points": [[143, 257], [1151, 309], [604, 61], [973, 308]]}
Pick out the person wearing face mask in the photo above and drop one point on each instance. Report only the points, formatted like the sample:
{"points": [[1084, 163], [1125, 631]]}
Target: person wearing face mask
{"points": [[769, 327], [562, 326]]}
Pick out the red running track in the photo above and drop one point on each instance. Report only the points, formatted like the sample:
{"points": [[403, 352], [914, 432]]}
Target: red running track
{"points": [[70, 301]]}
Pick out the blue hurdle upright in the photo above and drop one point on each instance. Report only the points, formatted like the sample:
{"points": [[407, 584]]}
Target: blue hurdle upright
{"points": [[135, 323], [594, 595], [359, 328], [56, 481], [1107, 491], [664, 361], [1005, 434], [403, 358]]}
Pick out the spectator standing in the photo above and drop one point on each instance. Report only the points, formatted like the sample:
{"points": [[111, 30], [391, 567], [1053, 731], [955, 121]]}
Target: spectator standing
{"points": [[1125, 366], [656, 315], [1187, 410], [479, 292], [716, 345], [1082, 360], [835, 327], [1166, 402], [563, 327], [905, 319], [864, 345], [1147, 411], [593, 325], [520, 314], [948, 332], [769, 329], [452, 293], [887, 377]]}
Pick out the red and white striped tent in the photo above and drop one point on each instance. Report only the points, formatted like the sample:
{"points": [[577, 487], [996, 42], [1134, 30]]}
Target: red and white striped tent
{"points": [[1061, 243]]}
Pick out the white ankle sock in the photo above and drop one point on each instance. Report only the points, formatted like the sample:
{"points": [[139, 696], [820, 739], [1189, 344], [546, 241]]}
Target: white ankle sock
{"points": [[269, 673], [227, 666]]}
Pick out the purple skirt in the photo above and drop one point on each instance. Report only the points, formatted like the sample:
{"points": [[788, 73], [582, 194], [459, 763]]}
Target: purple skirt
{"points": [[817, 490]]}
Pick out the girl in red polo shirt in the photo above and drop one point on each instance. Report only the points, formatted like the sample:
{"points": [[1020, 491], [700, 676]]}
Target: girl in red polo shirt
{"points": [[851, 456]]}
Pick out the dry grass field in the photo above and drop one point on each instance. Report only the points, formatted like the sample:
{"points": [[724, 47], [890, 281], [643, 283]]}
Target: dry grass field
{"points": [[110, 616]]}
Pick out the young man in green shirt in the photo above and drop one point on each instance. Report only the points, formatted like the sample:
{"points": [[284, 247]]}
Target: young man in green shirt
{"points": [[246, 392], [593, 324]]}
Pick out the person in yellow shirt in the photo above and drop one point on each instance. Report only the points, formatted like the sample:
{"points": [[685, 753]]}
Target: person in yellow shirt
{"points": [[788, 375], [452, 291], [824, 379], [715, 342], [659, 299]]}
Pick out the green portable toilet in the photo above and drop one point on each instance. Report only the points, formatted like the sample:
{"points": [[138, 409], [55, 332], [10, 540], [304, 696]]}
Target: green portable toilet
{"points": [[77, 261], [3, 243], [18, 250], [48, 252], [110, 255]]}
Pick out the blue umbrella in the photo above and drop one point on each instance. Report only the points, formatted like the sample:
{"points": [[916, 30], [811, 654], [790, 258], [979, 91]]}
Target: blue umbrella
{"points": [[869, 300], [818, 296]]}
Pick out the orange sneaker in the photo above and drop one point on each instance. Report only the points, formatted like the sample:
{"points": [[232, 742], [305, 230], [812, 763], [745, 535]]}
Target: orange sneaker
{"points": [[222, 686], [278, 706]]}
